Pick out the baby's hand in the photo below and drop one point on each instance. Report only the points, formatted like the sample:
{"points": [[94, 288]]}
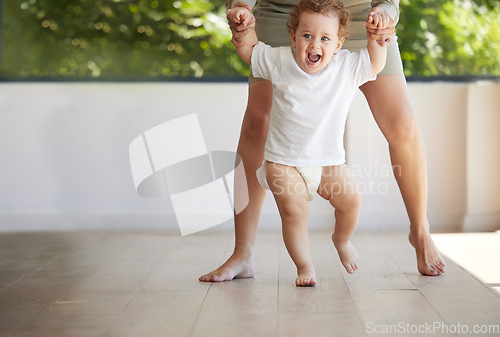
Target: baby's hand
{"points": [[240, 16], [241, 21], [379, 19], [380, 26]]}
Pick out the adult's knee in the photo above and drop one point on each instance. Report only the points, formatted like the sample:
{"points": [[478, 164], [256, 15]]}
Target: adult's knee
{"points": [[402, 129], [258, 112], [256, 121], [258, 115]]}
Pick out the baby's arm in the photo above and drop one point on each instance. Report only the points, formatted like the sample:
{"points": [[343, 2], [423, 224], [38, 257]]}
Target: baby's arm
{"points": [[242, 15], [378, 53]]}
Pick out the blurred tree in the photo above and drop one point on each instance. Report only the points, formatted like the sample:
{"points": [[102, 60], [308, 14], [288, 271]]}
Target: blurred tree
{"points": [[117, 38], [153, 38], [450, 37]]}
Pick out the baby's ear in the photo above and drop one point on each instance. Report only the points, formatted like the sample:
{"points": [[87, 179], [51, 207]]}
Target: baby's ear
{"points": [[293, 37], [339, 45]]}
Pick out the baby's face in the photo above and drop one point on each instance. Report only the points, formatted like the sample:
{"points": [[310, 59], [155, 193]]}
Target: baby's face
{"points": [[316, 40]]}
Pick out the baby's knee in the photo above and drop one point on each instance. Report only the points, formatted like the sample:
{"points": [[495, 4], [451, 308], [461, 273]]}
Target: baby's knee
{"points": [[350, 200], [353, 200], [294, 210]]}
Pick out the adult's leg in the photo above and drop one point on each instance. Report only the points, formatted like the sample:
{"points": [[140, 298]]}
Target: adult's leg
{"points": [[251, 149], [392, 109]]}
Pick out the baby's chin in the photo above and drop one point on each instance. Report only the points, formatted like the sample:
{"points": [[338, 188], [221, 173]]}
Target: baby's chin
{"points": [[313, 70]]}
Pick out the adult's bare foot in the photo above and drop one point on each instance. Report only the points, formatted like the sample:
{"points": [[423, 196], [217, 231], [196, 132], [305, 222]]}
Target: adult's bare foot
{"points": [[234, 267], [429, 261]]}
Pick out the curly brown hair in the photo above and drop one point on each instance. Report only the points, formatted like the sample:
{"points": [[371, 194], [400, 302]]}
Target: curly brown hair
{"points": [[324, 7]]}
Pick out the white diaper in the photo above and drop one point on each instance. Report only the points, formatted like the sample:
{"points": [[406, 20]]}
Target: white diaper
{"points": [[311, 176]]}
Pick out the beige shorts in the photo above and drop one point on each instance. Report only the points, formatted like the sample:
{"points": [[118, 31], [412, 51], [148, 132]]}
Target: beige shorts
{"points": [[271, 29], [311, 176]]}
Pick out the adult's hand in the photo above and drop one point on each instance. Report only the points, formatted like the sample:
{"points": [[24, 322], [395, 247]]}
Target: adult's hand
{"points": [[240, 29], [381, 35]]}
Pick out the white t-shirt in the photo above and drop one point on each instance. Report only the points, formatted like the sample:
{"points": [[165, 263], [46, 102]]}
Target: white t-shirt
{"points": [[309, 112]]}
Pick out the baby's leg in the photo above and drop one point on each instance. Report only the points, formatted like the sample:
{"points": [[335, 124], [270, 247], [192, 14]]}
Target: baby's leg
{"points": [[340, 189], [291, 195]]}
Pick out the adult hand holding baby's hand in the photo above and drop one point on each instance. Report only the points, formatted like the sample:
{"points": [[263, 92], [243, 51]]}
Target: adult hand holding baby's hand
{"points": [[240, 21], [380, 26]]}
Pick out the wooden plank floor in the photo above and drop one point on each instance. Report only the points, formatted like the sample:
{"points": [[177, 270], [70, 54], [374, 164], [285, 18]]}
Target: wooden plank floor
{"points": [[145, 284]]}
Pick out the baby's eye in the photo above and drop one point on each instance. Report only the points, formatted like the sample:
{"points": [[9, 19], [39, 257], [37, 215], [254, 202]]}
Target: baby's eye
{"points": [[307, 36], [324, 38]]}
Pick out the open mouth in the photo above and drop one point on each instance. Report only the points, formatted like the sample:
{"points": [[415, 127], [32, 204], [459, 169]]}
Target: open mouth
{"points": [[313, 58]]}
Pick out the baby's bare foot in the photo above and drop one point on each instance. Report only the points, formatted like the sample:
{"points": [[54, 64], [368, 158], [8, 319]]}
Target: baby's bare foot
{"points": [[347, 255], [235, 267], [306, 276], [429, 261]]}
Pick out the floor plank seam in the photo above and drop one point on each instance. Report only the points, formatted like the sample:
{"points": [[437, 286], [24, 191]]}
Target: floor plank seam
{"points": [[195, 321], [438, 313], [112, 321], [36, 269], [377, 236], [141, 288], [136, 293], [103, 265], [64, 294], [491, 285], [417, 288], [80, 281], [486, 285], [476, 278], [358, 314]]}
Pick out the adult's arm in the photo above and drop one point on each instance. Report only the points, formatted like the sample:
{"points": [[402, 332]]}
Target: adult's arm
{"points": [[231, 3], [391, 7], [383, 36], [240, 30], [241, 15]]}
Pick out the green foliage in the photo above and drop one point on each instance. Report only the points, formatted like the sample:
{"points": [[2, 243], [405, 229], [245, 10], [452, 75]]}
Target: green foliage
{"points": [[117, 38], [450, 37], [153, 38]]}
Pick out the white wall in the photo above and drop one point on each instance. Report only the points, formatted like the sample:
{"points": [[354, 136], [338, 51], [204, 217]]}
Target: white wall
{"points": [[483, 157], [64, 154]]}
